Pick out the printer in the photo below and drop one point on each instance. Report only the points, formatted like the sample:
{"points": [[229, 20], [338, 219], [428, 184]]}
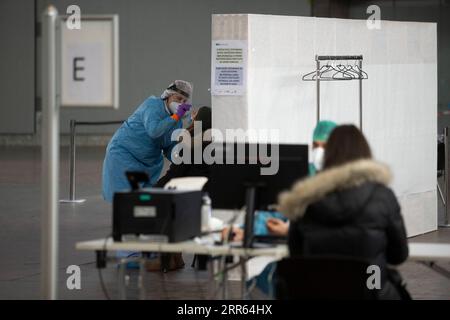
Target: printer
{"points": [[153, 211]]}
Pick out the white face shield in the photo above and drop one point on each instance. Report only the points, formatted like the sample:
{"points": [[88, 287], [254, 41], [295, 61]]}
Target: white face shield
{"points": [[182, 93], [180, 87]]}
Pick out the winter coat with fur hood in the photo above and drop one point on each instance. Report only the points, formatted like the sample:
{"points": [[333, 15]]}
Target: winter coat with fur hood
{"points": [[347, 210]]}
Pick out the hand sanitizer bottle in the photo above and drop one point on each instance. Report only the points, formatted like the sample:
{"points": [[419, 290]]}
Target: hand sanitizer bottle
{"points": [[206, 213]]}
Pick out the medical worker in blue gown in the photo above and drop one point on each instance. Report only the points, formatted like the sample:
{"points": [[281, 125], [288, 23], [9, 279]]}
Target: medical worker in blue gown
{"points": [[141, 141]]}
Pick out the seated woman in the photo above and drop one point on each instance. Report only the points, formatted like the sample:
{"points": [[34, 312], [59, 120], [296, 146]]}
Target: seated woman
{"points": [[279, 226], [348, 209], [191, 169]]}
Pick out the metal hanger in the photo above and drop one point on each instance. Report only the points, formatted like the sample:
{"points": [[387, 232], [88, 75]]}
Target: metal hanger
{"points": [[362, 73], [330, 68], [330, 72], [342, 73], [313, 74]]}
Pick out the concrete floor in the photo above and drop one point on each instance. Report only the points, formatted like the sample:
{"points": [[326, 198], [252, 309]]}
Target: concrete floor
{"points": [[20, 237]]}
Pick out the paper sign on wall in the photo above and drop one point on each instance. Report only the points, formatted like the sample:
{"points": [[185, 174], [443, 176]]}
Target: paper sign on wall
{"points": [[229, 74]]}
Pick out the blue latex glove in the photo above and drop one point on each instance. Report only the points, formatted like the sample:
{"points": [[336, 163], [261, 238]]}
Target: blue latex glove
{"points": [[182, 109]]}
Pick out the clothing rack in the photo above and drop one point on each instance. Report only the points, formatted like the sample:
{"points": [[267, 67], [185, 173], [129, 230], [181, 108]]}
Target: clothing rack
{"points": [[359, 59]]}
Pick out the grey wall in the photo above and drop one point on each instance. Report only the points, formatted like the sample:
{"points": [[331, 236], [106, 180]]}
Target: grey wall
{"points": [[426, 11], [161, 41], [165, 40], [17, 66]]}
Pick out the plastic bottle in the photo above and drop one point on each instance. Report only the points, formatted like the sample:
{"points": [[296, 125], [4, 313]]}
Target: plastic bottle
{"points": [[206, 212]]}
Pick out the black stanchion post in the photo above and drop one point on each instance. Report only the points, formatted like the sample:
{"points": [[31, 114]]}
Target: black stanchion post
{"points": [[72, 157]]}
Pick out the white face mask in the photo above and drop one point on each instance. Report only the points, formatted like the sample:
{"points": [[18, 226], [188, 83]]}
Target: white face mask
{"points": [[318, 157], [173, 106]]}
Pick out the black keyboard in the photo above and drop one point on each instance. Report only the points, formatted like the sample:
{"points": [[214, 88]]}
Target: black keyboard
{"points": [[270, 239]]}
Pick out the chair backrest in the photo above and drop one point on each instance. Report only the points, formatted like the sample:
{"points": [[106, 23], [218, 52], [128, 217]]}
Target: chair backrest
{"points": [[321, 277]]}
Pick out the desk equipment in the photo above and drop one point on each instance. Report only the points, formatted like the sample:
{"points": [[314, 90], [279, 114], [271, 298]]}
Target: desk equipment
{"points": [[419, 252], [175, 214], [238, 181]]}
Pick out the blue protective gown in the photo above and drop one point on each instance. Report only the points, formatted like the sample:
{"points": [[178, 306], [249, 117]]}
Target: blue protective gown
{"points": [[139, 145]]}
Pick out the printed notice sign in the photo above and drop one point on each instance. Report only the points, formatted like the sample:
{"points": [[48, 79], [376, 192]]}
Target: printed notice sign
{"points": [[229, 60]]}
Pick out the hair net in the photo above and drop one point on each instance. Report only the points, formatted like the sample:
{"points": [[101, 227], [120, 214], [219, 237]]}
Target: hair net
{"points": [[181, 87]]}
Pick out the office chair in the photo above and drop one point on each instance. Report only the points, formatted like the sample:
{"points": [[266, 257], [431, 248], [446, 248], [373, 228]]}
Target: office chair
{"points": [[322, 278]]}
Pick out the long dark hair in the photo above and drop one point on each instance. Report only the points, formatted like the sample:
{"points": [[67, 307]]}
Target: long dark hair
{"points": [[345, 144], [203, 115]]}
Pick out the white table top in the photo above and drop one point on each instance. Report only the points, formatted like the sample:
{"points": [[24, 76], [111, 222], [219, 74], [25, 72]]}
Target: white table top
{"points": [[422, 251], [190, 246], [417, 251]]}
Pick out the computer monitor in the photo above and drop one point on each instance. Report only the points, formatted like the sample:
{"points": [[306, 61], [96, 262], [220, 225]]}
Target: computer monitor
{"points": [[240, 182]]}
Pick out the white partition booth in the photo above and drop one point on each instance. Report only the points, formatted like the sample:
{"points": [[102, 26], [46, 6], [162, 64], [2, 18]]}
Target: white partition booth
{"points": [[399, 98]]}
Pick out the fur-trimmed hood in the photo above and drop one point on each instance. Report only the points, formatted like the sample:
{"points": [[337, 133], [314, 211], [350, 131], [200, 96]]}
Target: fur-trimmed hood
{"points": [[293, 203]]}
